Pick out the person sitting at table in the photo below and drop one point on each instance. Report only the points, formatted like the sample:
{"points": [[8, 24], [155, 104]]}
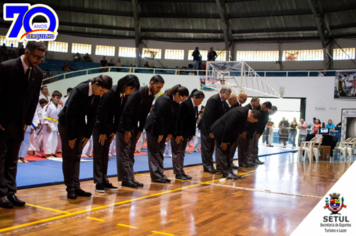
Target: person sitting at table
{"points": [[316, 126], [330, 125]]}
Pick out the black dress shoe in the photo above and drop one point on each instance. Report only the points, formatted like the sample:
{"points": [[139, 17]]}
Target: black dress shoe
{"points": [[250, 164], [82, 193], [15, 201], [99, 188], [160, 181], [229, 176], [129, 184], [168, 180], [181, 177], [5, 203], [244, 165], [233, 166], [187, 176], [258, 162], [236, 176], [71, 194], [138, 183], [110, 186], [210, 170]]}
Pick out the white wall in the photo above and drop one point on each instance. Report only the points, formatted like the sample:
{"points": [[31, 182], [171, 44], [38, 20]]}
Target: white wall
{"points": [[253, 46]]}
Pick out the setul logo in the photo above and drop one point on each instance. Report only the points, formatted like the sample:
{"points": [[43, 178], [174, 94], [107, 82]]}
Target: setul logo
{"points": [[22, 14]]}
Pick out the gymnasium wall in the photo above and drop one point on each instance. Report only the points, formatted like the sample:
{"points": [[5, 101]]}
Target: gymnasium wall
{"points": [[253, 46], [318, 91]]}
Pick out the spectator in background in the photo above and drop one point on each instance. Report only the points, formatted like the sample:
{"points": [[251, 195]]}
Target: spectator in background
{"points": [[87, 58], [21, 50], [77, 57], [131, 70], [316, 126], [3, 52], [103, 63], [11, 52], [338, 127], [192, 73], [48, 74], [269, 133], [330, 125], [303, 131], [54, 73], [320, 74], [146, 65], [66, 66], [293, 131], [283, 131], [212, 55], [196, 58], [118, 64], [111, 63]]}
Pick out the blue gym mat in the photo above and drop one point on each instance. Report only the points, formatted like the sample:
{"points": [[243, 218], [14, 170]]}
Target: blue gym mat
{"points": [[44, 173]]}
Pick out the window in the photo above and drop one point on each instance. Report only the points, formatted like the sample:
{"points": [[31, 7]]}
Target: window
{"points": [[222, 55], [81, 48], [55, 46], [105, 50], [203, 53], [344, 54], [173, 54], [257, 56], [127, 52], [303, 55], [152, 53], [8, 42]]}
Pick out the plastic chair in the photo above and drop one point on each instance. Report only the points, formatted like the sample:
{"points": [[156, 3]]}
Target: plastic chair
{"points": [[316, 148], [306, 146], [341, 147], [350, 148]]}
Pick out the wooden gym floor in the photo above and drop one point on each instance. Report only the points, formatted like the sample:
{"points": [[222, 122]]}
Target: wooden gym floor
{"points": [[270, 199]]}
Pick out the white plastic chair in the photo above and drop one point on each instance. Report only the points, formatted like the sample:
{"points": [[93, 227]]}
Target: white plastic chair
{"points": [[316, 148], [342, 148], [350, 148], [308, 148]]}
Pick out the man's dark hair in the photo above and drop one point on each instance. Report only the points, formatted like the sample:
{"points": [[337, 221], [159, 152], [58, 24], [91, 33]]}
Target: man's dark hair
{"points": [[274, 108], [43, 101], [43, 87], [69, 90], [314, 118], [253, 99], [33, 45], [256, 114], [268, 105], [56, 93], [157, 79]]}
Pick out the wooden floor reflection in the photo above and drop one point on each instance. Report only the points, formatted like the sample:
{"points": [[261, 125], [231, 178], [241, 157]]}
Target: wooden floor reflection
{"points": [[270, 199]]}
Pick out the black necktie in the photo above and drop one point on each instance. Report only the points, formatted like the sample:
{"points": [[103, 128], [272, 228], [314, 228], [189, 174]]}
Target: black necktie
{"points": [[196, 112], [223, 107]]}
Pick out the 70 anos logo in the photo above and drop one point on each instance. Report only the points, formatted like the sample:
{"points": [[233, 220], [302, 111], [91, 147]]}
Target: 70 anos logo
{"points": [[22, 14]]}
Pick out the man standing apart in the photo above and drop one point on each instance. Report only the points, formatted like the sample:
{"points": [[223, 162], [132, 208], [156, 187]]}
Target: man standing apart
{"points": [[17, 110]]}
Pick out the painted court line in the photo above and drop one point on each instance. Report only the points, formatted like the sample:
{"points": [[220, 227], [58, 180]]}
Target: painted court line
{"points": [[157, 232], [128, 226], [47, 208], [92, 218]]}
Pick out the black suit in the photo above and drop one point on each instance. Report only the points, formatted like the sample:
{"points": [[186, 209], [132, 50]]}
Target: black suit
{"points": [[109, 113], [236, 142], [259, 128], [214, 109], [17, 108], [72, 125], [136, 110], [161, 121], [244, 143], [185, 127], [225, 130]]}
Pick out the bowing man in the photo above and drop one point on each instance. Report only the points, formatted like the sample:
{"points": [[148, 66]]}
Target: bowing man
{"points": [[136, 110], [75, 132], [185, 131], [110, 108], [225, 130], [160, 128]]}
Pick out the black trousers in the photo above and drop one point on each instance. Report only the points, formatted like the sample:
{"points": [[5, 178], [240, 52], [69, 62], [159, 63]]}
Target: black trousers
{"points": [[234, 146], [125, 156], [207, 150], [101, 155], [155, 156], [223, 157], [71, 158], [243, 150], [178, 154], [254, 148], [10, 142]]}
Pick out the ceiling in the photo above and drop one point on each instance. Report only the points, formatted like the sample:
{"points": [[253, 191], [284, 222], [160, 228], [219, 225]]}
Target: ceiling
{"points": [[200, 20]]}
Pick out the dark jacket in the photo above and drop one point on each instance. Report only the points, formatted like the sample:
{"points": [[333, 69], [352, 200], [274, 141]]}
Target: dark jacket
{"points": [[18, 98], [262, 122], [230, 125], [196, 55], [136, 109], [186, 120], [213, 111], [162, 118], [110, 108], [79, 105], [250, 128]]}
